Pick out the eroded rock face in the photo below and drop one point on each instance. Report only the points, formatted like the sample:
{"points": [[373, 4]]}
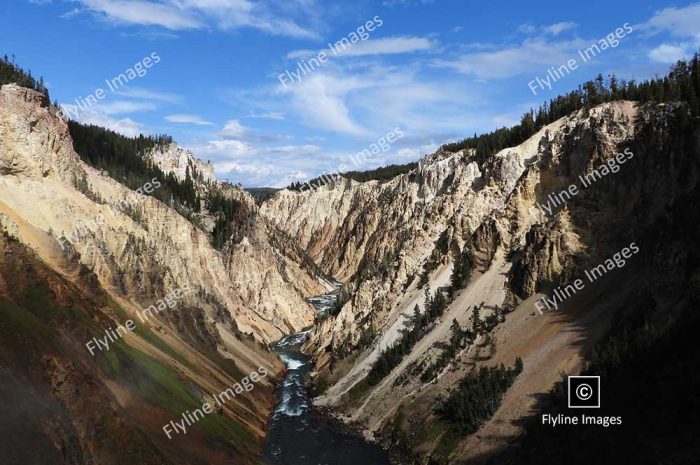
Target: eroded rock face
{"points": [[386, 232], [71, 225], [171, 158], [259, 287]]}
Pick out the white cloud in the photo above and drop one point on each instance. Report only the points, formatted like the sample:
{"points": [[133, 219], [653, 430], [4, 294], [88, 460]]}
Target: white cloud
{"points": [[550, 29], [678, 22], [278, 115], [125, 126], [71, 13], [184, 118], [532, 55], [301, 53], [413, 153], [124, 106], [682, 22], [233, 129], [319, 99], [143, 13], [197, 14], [558, 28], [389, 45], [392, 3], [258, 165], [669, 53], [383, 46], [140, 93]]}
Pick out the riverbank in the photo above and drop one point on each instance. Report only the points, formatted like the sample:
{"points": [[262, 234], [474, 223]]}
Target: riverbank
{"points": [[302, 434]]}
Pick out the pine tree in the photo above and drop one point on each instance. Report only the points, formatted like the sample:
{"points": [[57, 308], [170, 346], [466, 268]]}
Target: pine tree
{"points": [[476, 320]]}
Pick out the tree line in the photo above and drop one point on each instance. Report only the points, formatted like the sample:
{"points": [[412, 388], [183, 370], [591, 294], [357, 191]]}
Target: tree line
{"points": [[682, 83], [419, 323], [126, 160], [477, 397], [10, 73], [382, 174]]}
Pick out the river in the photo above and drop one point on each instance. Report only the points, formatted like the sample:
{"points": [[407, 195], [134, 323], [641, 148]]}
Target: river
{"points": [[298, 434]]}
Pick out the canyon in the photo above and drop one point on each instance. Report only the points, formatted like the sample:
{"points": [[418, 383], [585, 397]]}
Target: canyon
{"points": [[394, 245]]}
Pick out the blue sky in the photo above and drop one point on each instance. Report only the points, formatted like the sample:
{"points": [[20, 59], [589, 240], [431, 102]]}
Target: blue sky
{"points": [[438, 70]]}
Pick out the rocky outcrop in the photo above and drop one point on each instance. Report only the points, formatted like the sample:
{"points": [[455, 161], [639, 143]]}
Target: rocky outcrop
{"points": [[171, 158]]}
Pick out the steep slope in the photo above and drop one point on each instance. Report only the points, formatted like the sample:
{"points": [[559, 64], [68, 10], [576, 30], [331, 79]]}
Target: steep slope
{"points": [[147, 248], [384, 235], [102, 256], [73, 408]]}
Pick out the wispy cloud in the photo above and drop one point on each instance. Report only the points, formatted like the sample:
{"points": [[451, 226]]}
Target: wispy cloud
{"points": [[320, 100], [144, 13], [140, 93], [531, 55], [392, 3], [383, 46], [681, 23], [670, 53], [124, 106], [259, 165], [177, 15], [277, 115], [125, 126], [184, 118], [550, 29]]}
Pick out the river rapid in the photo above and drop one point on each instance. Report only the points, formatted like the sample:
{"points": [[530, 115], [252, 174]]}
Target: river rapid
{"points": [[299, 435]]}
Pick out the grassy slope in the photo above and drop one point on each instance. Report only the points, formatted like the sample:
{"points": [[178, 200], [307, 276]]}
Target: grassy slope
{"points": [[44, 322]]}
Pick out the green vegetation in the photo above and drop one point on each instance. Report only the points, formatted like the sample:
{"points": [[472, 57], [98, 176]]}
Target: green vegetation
{"points": [[160, 386], [682, 83], [233, 218], [477, 398], [382, 174], [420, 323], [260, 194], [459, 338], [12, 73], [462, 270], [367, 336], [82, 185], [649, 379], [126, 160], [370, 266]]}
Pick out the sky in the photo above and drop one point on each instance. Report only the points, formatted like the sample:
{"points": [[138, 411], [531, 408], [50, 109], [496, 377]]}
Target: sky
{"points": [[279, 91]]}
